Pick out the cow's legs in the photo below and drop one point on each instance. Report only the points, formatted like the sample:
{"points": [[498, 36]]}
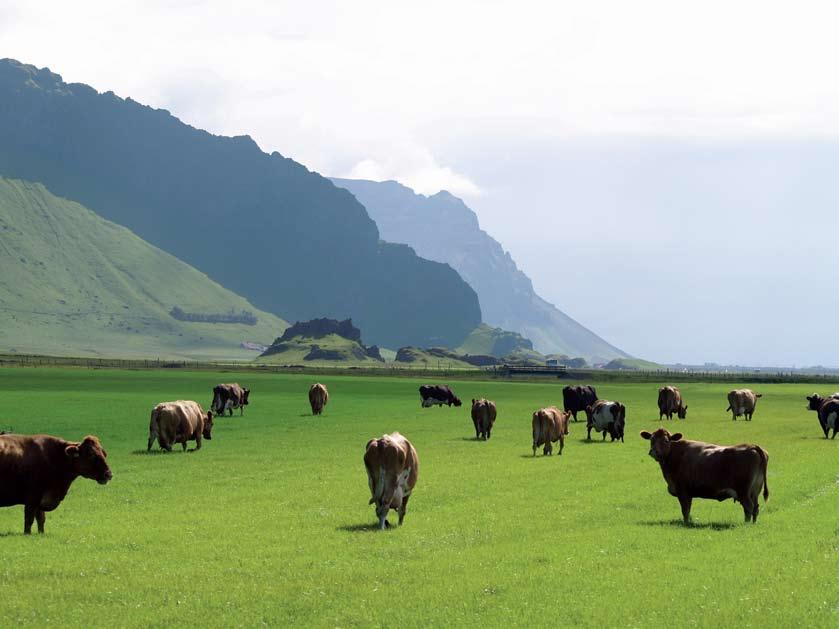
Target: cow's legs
{"points": [[548, 448], [685, 501], [40, 517], [28, 518], [403, 509], [535, 445], [198, 440], [561, 443], [588, 435], [756, 508], [489, 431], [748, 508], [151, 441]]}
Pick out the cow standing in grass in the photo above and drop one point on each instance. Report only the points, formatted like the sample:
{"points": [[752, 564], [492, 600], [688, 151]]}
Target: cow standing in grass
{"points": [[483, 417], [392, 471], [827, 411], [439, 394], [693, 469], [576, 398], [37, 471], [742, 402], [318, 397], [549, 426], [669, 402], [607, 417], [227, 397], [179, 422]]}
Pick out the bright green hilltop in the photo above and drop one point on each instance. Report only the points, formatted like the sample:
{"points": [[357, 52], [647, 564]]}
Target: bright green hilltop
{"points": [[76, 284]]}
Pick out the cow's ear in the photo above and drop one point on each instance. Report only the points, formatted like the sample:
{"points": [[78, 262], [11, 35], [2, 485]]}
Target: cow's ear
{"points": [[72, 451], [676, 437], [473, 401], [646, 435]]}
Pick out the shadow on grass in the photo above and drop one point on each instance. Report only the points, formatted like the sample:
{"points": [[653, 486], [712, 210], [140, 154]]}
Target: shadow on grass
{"points": [[539, 455], [13, 534], [679, 523], [369, 527], [159, 452]]}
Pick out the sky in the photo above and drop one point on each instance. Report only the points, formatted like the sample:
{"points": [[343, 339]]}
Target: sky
{"points": [[665, 172]]}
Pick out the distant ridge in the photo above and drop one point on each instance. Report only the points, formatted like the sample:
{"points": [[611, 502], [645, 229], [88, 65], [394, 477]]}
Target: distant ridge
{"points": [[441, 227], [262, 225]]}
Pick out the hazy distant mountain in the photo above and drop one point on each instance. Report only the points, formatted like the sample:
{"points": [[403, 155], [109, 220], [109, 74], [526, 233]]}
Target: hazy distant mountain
{"points": [[261, 225], [72, 283], [441, 227]]}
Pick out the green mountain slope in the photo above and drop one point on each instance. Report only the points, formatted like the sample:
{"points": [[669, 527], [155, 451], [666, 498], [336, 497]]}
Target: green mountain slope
{"points": [[72, 283], [491, 341], [264, 226], [441, 227]]}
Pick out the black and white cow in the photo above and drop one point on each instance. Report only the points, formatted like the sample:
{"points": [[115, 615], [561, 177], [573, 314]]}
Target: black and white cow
{"points": [[827, 410], [431, 394]]}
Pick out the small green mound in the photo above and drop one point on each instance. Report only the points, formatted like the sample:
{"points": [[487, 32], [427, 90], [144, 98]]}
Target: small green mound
{"points": [[632, 364], [331, 349], [486, 340]]}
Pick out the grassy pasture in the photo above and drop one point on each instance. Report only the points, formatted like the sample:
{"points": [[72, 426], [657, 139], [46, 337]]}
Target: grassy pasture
{"points": [[269, 523]]}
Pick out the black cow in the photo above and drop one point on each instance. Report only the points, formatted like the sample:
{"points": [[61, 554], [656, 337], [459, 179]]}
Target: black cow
{"points": [[431, 394], [827, 410], [575, 399]]}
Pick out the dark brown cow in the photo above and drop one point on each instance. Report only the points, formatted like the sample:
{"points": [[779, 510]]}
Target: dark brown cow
{"points": [[483, 417], [827, 411], [227, 397], [439, 394], [549, 426], [669, 402], [179, 422], [318, 397], [37, 471], [694, 469], [392, 471], [742, 402], [576, 398]]}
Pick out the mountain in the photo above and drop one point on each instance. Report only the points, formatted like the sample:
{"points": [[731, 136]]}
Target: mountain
{"points": [[442, 228], [72, 283], [493, 342], [261, 225]]}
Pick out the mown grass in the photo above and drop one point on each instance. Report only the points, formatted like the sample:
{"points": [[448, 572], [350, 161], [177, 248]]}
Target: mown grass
{"points": [[269, 523]]}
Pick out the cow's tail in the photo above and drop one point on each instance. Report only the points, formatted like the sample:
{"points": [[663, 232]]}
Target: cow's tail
{"points": [[764, 462]]}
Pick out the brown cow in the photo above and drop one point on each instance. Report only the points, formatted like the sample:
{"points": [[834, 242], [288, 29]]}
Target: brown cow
{"points": [[37, 471], [742, 402], [550, 425], [179, 422], [669, 402], [392, 470], [318, 397], [226, 397], [693, 469], [483, 416]]}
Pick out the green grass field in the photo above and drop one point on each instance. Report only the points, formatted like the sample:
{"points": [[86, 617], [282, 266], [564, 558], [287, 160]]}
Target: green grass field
{"points": [[269, 523]]}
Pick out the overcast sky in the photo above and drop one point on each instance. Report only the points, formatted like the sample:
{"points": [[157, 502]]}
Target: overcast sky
{"points": [[666, 172]]}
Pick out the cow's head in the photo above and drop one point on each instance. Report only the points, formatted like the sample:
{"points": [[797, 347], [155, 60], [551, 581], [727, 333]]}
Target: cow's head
{"points": [[456, 401], [814, 402], [245, 394], [88, 459], [660, 441], [207, 433], [682, 411]]}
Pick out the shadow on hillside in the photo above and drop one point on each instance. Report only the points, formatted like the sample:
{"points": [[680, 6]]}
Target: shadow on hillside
{"points": [[713, 526], [360, 528]]}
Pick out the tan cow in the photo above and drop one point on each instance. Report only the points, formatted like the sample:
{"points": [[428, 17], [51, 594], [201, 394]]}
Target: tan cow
{"points": [[318, 397], [483, 416], [669, 402], [179, 422], [392, 470], [550, 425], [742, 402]]}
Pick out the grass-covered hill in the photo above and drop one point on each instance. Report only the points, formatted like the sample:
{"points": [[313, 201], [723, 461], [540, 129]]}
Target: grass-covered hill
{"points": [[506, 294], [72, 283], [262, 225], [487, 340], [322, 342]]}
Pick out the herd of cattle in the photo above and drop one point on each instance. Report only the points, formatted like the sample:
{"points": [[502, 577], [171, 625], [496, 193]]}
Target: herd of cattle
{"points": [[37, 471]]}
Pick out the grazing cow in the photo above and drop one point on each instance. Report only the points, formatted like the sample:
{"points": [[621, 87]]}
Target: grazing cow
{"points": [[37, 471], [550, 425], [318, 397], [575, 399], [827, 410], [693, 469], [605, 416], [179, 422], [431, 394], [226, 397], [392, 469], [483, 416], [742, 402], [669, 402]]}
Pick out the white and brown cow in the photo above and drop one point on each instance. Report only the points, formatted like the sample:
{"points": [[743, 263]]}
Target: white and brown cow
{"points": [[742, 402], [227, 397], [178, 422], [483, 417], [318, 397], [694, 469], [607, 417], [549, 426], [392, 470], [669, 402]]}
